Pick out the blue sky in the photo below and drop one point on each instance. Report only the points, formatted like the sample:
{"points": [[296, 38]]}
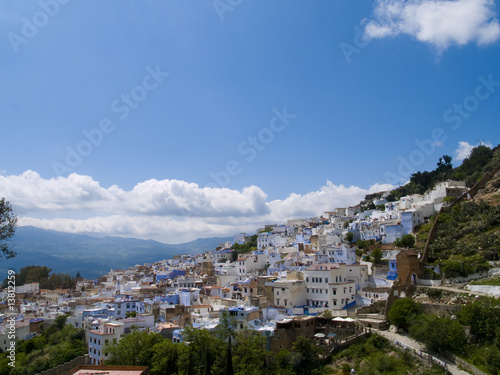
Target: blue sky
{"points": [[181, 119]]}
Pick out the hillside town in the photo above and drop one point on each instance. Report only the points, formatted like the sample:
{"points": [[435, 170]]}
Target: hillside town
{"points": [[303, 277]]}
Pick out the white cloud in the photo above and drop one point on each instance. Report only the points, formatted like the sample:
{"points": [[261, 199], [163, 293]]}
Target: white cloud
{"points": [[30, 192], [464, 149], [439, 22], [168, 210]]}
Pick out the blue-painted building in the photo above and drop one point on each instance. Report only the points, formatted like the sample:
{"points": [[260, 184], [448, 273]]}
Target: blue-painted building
{"points": [[393, 270], [407, 221], [393, 232]]}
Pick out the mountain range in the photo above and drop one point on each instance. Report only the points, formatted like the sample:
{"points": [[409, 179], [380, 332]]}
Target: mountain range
{"points": [[92, 256]]}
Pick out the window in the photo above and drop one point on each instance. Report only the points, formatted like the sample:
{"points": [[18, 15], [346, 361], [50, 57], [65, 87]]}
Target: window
{"points": [[334, 291], [277, 301], [277, 292], [334, 302], [307, 279], [326, 280], [241, 325], [285, 302]]}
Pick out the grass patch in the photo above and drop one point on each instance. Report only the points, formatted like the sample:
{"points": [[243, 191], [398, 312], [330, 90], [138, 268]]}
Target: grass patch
{"points": [[494, 281]]}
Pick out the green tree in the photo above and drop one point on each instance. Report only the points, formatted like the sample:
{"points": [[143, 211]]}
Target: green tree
{"points": [[166, 357], [134, 349], [206, 352], [8, 225], [52, 348], [327, 314], [305, 356], [250, 355], [403, 311], [349, 237], [60, 322], [226, 326], [406, 240], [377, 255], [483, 317], [439, 334]]}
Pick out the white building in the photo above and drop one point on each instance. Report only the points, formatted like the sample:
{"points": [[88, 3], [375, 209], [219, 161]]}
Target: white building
{"points": [[113, 331], [289, 293], [327, 286], [250, 263], [32, 288]]}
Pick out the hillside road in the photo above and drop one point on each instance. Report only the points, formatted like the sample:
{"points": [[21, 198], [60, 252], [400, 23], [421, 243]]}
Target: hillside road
{"points": [[393, 337]]}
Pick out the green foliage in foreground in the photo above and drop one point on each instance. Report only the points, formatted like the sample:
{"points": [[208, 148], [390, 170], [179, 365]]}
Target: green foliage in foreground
{"points": [[376, 356], [403, 311], [480, 317], [207, 352], [57, 344], [439, 334]]}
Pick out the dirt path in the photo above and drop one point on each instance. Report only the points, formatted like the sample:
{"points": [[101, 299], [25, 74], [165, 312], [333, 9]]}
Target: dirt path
{"points": [[457, 290], [407, 341]]}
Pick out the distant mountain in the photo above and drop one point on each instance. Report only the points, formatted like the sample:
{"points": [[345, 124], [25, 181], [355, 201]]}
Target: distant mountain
{"points": [[92, 256]]}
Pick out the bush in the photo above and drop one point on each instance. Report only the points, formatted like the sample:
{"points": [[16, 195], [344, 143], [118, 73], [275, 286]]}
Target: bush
{"points": [[439, 334], [406, 241], [403, 311]]}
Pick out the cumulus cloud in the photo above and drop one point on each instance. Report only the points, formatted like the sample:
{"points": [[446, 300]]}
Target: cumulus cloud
{"points": [[440, 23], [464, 149], [30, 192], [327, 198], [166, 210]]}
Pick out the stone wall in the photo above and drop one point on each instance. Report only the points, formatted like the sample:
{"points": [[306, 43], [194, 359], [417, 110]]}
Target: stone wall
{"points": [[466, 365], [65, 368], [427, 282]]}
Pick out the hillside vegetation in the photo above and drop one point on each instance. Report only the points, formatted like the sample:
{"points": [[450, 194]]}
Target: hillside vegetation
{"points": [[468, 235], [481, 160]]}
